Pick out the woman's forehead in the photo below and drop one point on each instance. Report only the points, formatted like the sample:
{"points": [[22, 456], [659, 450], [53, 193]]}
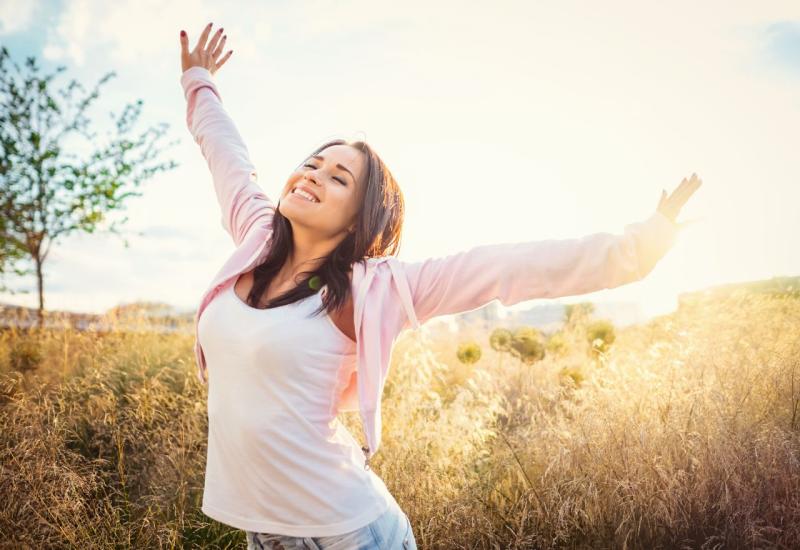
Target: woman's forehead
{"points": [[340, 153], [351, 158]]}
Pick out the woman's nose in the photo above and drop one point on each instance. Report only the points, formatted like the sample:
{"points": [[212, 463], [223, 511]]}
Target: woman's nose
{"points": [[311, 177]]}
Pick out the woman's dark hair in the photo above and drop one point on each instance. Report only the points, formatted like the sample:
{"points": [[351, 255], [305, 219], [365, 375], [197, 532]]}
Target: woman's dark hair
{"points": [[377, 232]]}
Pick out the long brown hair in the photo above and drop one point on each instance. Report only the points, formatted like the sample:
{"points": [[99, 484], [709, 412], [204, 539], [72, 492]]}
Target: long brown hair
{"points": [[377, 233]]}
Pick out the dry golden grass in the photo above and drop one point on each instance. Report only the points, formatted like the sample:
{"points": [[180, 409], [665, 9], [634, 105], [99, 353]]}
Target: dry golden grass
{"points": [[686, 434]]}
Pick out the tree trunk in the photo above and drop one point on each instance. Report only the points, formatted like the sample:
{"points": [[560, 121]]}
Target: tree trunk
{"points": [[40, 283]]}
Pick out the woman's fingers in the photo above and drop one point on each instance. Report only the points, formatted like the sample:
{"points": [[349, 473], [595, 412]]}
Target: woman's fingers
{"points": [[184, 43], [220, 47], [695, 186], [661, 199], [214, 40], [201, 42], [671, 206], [224, 59], [686, 189], [206, 52]]}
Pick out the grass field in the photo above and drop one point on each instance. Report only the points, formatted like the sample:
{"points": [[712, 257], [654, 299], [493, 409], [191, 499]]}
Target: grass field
{"points": [[684, 433]]}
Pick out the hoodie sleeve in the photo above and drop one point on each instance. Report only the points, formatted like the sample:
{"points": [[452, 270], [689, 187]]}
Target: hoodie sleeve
{"points": [[515, 272], [242, 202]]}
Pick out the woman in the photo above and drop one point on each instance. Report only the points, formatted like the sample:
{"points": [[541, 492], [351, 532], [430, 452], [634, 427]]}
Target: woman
{"points": [[280, 466]]}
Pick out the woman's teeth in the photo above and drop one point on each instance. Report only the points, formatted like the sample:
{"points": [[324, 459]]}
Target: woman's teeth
{"points": [[304, 195]]}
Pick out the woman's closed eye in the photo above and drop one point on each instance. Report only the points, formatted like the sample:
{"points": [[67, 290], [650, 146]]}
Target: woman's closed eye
{"points": [[340, 180]]}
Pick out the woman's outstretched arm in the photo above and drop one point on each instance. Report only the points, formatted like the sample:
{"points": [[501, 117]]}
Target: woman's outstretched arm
{"points": [[242, 202], [551, 268]]}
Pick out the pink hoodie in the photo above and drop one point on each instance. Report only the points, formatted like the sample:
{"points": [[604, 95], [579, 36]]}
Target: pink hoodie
{"points": [[390, 295]]}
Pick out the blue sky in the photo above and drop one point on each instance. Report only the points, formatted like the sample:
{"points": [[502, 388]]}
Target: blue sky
{"points": [[502, 121]]}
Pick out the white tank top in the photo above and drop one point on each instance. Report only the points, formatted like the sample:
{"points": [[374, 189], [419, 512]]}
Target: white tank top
{"points": [[279, 461]]}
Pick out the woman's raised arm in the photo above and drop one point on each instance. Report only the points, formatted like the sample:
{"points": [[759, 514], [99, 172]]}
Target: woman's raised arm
{"points": [[242, 202], [551, 268]]}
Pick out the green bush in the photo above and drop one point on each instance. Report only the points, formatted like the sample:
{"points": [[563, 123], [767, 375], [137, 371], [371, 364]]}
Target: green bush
{"points": [[573, 374], [527, 345], [600, 335], [25, 355], [557, 344]]}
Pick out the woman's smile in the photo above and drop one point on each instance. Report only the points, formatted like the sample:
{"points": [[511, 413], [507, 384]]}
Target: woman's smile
{"points": [[301, 197]]}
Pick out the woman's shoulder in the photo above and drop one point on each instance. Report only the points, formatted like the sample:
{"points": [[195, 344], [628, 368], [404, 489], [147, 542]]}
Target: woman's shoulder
{"points": [[370, 269]]}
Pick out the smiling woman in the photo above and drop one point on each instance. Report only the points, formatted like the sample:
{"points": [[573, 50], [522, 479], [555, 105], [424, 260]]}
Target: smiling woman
{"points": [[353, 210], [280, 465], [339, 207]]}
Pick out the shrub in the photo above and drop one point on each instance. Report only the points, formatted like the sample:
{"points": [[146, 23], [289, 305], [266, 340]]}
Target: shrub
{"points": [[527, 345], [25, 355], [600, 335], [557, 344], [572, 373]]}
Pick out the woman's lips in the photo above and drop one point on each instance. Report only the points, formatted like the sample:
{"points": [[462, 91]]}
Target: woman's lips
{"points": [[301, 198]]}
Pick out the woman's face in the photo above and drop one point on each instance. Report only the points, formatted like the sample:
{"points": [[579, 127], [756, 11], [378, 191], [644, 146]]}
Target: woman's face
{"points": [[335, 177]]}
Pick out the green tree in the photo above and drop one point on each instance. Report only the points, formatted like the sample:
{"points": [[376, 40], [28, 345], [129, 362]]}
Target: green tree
{"points": [[46, 193]]}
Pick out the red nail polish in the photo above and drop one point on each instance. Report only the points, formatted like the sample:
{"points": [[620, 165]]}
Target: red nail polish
{"points": [[183, 33]]}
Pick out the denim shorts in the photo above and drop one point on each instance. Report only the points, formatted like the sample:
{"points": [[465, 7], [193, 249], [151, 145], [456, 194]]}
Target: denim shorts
{"points": [[390, 531]]}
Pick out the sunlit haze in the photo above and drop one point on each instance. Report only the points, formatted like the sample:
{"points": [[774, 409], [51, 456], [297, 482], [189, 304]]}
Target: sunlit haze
{"points": [[502, 121]]}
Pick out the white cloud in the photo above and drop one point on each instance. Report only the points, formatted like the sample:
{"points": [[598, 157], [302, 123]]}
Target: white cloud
{"points": [[16, 16], [72, 34]]}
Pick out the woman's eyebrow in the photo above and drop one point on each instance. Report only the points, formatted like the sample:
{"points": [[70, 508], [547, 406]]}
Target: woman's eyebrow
{"points": [[320, 157]]}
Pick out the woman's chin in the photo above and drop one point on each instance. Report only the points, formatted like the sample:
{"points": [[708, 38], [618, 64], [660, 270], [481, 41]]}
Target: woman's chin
{"points": [[295, 215]]}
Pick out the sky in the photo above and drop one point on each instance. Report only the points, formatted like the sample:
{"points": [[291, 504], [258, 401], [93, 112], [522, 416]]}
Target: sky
{"points": [[502, 122]]}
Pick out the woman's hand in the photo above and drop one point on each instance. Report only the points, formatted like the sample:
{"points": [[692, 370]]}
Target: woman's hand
{"points": [[204, 55], [671, 206]]}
